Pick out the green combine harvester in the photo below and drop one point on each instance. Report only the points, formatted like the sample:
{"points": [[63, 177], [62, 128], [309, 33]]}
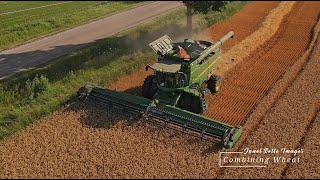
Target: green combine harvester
{"points": [[177, 92]]}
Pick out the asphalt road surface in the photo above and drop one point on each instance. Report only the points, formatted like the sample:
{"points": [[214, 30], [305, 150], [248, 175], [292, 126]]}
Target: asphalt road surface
{"points": [[40, 51]]}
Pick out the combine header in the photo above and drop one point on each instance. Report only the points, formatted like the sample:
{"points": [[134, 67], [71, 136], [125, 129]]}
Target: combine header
{"points": [[178, 91]]}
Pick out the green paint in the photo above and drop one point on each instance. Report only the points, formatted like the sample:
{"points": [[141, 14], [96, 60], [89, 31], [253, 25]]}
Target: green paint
{"points": [[180, 95]]}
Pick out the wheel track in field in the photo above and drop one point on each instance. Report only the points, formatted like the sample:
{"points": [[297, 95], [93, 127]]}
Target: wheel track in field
{"points": [[249, 81]]}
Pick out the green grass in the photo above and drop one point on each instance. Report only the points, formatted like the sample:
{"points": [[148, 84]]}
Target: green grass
{"points": [[100, 64], [19, 27]]}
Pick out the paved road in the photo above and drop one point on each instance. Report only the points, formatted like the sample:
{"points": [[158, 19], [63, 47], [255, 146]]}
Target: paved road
{"points": [[45, 49]]}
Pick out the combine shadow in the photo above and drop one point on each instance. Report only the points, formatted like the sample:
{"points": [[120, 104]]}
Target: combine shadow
{"points": [[100, 117], [191, 143], [103, 117], [214, 147], [134, 91]]}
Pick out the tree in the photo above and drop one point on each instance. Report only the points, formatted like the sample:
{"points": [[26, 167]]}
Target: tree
{"points": [[204, 7]]}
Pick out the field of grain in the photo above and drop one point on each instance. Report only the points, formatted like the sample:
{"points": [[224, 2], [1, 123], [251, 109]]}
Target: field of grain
{"points": [[287, 123], [249, 81], [310, 168], [273, 92]]}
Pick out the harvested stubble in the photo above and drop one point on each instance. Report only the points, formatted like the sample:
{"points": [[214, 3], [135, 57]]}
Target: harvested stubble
{"points": [[244, 23], [249, 81], [286, 123], [241, 50], [268, 101]]}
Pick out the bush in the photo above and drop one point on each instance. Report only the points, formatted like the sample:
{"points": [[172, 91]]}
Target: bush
{"points": [[36, 87]]}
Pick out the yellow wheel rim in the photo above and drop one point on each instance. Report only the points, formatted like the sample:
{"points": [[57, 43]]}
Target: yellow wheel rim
{"points": [[218, 84]]}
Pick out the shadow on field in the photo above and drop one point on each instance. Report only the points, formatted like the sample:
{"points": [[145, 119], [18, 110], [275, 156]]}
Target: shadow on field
{"points": [[98, 116], [134, 91], [101, 117]]}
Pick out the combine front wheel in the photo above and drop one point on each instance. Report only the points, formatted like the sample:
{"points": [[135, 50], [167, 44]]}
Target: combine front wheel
{"points": [[189, 102], [83, 93], [149, 87]]}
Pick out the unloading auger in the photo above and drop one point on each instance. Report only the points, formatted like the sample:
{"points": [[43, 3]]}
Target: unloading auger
{"points": [[178, 91]]}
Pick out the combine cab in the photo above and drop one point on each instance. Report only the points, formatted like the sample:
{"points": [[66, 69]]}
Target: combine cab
{"points": [[178, 91]]}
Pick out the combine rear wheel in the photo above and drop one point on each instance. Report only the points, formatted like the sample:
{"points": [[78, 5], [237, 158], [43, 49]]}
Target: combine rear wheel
{"points": [[214, 83], [149, 87]]}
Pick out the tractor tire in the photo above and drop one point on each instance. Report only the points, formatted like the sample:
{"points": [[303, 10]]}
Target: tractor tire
{"points": [[190, 103], [149, 87], [214, 83], [82, 93], [196, 106]]}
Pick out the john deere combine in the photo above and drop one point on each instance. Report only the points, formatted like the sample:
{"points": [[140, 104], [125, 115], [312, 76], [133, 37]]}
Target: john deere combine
{"points": [[178, 91]]}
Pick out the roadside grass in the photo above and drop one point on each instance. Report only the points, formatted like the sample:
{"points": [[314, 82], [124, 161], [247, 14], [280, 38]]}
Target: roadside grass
{"points": [[30, 22], [99, 64]]}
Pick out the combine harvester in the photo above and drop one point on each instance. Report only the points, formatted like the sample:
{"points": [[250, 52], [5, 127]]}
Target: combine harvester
{"points": [[177, 92]]}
